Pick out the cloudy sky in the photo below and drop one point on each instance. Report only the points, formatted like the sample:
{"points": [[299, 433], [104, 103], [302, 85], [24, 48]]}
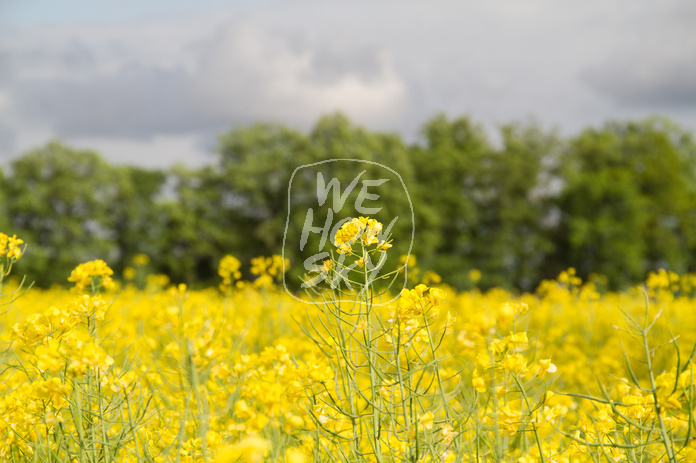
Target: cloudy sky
{"points": [[155, 82]]}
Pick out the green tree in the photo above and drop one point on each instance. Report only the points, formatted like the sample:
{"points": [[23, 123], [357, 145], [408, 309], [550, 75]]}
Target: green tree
{"points": [[59, 202], [336, 137], [258, 162], [513, 193], [137, 215], [619, 200], [448, 169], [628, 200], [200, 224]]}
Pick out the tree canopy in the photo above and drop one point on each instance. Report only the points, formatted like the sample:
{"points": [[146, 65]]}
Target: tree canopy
{"points": [[617, 200]]}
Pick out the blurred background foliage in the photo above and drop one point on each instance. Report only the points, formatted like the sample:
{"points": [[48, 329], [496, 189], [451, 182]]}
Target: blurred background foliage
{"points": [[619, 200]]}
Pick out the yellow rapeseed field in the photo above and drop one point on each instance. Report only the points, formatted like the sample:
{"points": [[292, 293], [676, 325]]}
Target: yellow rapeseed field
{"points": [[107, 372]]}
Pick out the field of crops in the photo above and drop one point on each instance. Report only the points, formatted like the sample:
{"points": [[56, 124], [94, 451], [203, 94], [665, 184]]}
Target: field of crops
{"points": [[114, 371]]}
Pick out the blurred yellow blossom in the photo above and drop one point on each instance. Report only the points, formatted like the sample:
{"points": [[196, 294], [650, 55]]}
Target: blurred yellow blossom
{"points": [[94, 272]]}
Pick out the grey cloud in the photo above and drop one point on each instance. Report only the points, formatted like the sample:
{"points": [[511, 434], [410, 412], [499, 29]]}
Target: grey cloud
{"points": [[31, 61], [250, 72], [655, 67], [329, 66], [240, 74], [568, 65], [331, 58], [644, 82], [135, 102], [77, 56], [8, 68], [76, 87], [334, 58], [7, 142]]}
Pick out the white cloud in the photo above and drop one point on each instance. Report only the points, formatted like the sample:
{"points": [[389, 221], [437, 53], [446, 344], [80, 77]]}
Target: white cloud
{"points": [[4, 100], [249, 73], [160, 151], [146, 85]]}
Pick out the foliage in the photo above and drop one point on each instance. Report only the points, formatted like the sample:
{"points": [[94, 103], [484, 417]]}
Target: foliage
{"points": [[628, 200], [618, 200]]}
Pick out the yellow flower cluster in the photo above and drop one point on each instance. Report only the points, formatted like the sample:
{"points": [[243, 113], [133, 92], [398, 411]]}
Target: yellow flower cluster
{"points": [[174, 374], [141, 260], [30, 409], [251, 449], [414, 302], [362, 228], [92, 274], [268, 270], [229, 272], [10, 246], [413, 310]]}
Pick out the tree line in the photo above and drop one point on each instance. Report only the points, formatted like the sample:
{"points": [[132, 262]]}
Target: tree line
{"points": [[618, 200]]}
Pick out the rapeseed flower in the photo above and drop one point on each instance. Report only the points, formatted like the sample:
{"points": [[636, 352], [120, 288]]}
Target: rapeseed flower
{"points": [[95, 272], [11, 247], [173, 372], [364, 228]]}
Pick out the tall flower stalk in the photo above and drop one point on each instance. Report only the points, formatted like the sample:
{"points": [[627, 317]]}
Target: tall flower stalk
{"points": [[387, 400]]}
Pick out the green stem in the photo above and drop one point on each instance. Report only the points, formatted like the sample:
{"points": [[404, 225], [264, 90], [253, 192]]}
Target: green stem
{"points": [[658, 408]]}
